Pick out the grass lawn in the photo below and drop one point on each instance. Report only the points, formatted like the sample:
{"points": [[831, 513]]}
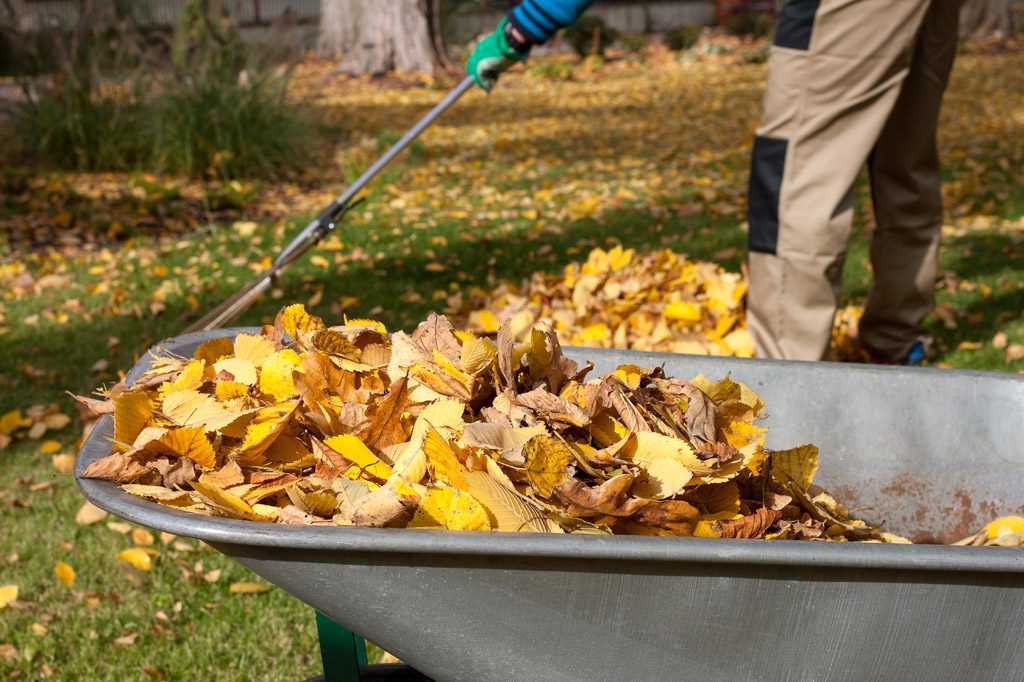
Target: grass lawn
{"points": [[644, 154]]}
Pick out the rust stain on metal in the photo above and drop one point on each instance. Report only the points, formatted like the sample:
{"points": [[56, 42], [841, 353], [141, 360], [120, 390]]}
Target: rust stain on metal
{"points": [[915, 508]]}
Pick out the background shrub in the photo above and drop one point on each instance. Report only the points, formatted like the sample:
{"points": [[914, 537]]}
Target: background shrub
{"points": [[683, 37], [71, 114], [551, 70], [750, 24], [633, 42], [589, 36], [758, 55], [97, 98]]}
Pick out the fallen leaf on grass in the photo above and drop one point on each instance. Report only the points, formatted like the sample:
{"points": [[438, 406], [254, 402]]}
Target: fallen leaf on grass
{"points": [[64, 464], [8, 593], [137, 557], [89, 514], [126, 639], [64, 573], [247, 588], [142, 537], [8, 654]]}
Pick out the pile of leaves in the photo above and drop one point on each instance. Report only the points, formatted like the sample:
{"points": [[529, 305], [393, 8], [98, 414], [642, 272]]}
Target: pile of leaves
{"points": [[658, 301], [308, 424]]}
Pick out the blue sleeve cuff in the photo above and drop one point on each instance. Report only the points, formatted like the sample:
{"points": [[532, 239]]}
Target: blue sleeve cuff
{"points": [[538, 20]]}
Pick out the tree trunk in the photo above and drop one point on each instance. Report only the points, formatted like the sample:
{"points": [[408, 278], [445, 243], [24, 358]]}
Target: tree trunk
{"points": [[376, 37], [986, 18], [12, 14]]}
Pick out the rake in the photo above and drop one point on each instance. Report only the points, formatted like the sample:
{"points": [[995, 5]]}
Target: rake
{"points": [[328, 219]]}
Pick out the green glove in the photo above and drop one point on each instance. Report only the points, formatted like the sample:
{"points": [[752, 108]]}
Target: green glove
{"points": [[492, 56]]}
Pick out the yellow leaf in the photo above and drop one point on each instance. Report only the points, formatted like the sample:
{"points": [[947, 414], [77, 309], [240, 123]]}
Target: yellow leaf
{"points": [[441, 461], [507, 510], [289, 453], [229, 390], [319, 502], [661, 477], [740, 434], [224, 503], [630, 375], [132, 412], [1002, 525], [253, 348], [48, 447], [186, 441], [719, 391], [8, 593], [410, 462], [682, 311], [295, 319], [242, 370], [137, 557], [267, 425], [247, 588], [740, 343], [12, 421], [213, 350], [64, 573], [797, 464], [189, 407], [705, 529], [487, 321], [191, 377], [546, 460], [606, 430], [355, 451], [451, 509], [478, 354], [276, 375], [721, 501], [373, 324]]}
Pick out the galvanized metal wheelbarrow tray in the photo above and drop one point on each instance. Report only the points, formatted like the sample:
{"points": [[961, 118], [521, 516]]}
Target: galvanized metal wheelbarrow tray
{"points": [[933, 453]]}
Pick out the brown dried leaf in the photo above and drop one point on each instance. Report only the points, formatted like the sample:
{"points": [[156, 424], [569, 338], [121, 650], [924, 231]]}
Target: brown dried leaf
{"points": [[750, 526], [385, 427]]}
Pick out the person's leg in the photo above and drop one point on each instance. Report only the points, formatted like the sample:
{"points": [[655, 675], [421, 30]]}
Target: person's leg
{"points": [[834, 75], [905, 184]]}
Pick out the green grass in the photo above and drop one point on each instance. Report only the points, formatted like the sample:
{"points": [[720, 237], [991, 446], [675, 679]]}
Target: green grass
{"points": [[667, 171]]}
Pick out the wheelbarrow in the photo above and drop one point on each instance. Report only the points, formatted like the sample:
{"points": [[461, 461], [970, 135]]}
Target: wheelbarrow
{"points": [[933, 454]]}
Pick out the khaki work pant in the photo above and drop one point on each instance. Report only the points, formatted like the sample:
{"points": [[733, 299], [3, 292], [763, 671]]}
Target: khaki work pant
{"points": [[849, 81]]}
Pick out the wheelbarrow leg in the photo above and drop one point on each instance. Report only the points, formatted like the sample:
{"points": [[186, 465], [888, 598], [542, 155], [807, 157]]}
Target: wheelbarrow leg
{"points": [[341, 650]]}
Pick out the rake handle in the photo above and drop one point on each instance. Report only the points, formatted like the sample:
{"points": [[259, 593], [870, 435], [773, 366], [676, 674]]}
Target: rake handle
{"points": [[232, 307]]}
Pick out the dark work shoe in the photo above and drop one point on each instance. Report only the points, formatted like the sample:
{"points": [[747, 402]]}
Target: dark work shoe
{"points": [[914, 357]]}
